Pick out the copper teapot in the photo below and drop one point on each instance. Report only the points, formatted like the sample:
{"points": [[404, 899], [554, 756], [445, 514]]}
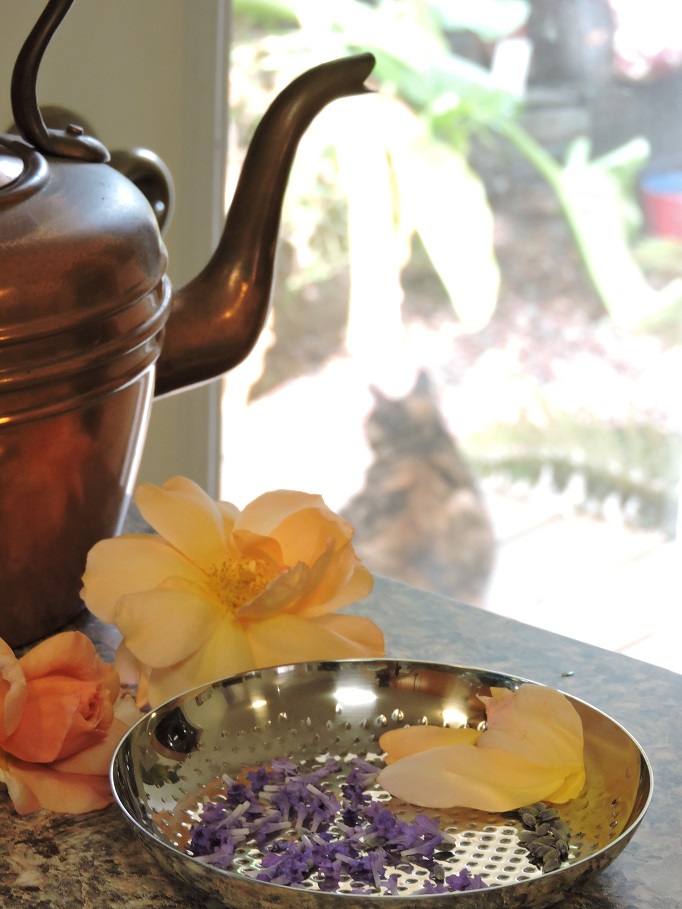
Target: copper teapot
{"points": [[91, 330]]}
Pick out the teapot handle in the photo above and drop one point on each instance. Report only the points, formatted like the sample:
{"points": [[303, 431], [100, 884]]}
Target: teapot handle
{"points": [[151, 176], [70, 142]]}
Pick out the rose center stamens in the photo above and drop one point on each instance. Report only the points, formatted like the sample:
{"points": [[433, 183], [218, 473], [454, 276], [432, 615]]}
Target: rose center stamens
{"points": [[240, 581]]}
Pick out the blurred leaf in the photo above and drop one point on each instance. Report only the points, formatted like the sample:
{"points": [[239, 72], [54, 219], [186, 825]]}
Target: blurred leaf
{"points": [[378, 223], [455, 224], [597, 209], [454, 99], [489, 19], [660, 254], [599, 214], [445, 202], [265, 10]]}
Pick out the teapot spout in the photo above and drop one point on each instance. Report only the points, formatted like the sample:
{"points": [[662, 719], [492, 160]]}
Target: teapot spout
{"points": [[217, 317]]}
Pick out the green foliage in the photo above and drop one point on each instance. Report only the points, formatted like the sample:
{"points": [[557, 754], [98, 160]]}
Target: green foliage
{"points": [[489, 19], [632, 463], [597, 196], [416, 133], [430, 102]]}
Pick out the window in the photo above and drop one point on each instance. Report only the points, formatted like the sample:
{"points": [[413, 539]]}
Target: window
{"points": [[479, 368]]}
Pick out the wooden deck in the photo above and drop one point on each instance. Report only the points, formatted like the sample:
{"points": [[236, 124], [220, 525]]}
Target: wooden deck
{"points": [[587, 579]]}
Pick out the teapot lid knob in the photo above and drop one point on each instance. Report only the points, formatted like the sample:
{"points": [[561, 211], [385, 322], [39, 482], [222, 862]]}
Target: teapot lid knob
{"points": [[67, 143]]}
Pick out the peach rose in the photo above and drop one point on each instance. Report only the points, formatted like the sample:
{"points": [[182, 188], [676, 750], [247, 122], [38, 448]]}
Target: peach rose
{"points": [[218, 591], [57, 725]]}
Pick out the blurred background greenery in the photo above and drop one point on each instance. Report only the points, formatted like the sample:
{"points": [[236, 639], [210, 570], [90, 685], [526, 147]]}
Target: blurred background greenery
{"points": [[486, 112]]}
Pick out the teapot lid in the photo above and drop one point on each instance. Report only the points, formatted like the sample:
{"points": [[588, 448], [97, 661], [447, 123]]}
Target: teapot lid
{"points": [[77, 239], [83, 291]]}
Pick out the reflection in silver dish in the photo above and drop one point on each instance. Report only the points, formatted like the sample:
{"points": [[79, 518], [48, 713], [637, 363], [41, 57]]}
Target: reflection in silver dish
{"points": [[173, 761]]}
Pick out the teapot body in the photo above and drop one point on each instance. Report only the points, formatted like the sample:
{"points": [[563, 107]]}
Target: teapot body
{"points": [[65, 480], [81, 325]]}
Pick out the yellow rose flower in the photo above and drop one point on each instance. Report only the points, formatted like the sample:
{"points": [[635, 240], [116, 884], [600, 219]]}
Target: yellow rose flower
{"points": [[218, 592], [531, 751]]}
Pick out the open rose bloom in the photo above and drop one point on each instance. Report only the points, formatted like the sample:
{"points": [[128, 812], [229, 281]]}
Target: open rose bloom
{"points": [[218, 591], [58, 730]]}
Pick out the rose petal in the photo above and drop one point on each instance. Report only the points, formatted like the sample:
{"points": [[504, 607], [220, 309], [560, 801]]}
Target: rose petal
{"points": [[12, 691], [61, 716], [289, 639], [229, 514], [280, 593], [164, 626], [127, 563], [20, 795], [345, 581], [531, 750], [34, 786], [184, 515], [467, 776], [268, 510], [133, 673], [306, 534], [327, 573], [534, 722], [71, 654], [96, 759], [359, 586], [399, 743], [254, 546], [127, 666], [226, 652], [571, 787], [126, 710]]}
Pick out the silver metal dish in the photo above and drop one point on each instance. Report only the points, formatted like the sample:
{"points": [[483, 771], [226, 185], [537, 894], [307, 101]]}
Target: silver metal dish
{"points": [[172, 762]]}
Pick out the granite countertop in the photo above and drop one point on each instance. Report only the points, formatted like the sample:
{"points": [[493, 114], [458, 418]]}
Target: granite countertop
{"points": [[59, 861]]}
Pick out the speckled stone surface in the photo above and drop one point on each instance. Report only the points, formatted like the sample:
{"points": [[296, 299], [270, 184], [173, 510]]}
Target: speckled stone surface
{"points": [[59, 862]]}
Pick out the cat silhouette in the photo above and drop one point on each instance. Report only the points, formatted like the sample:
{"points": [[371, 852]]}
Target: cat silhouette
{"points": [[420, 517]]}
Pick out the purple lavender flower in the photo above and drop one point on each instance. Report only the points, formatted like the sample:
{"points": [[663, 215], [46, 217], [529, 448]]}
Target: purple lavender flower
{"points": [[465, 881], [237, 793], [291, 866], [305, 831], [259, 778]]}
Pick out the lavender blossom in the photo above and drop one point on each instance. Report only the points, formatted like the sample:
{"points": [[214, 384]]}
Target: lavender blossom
{"points": [[305, 831]]}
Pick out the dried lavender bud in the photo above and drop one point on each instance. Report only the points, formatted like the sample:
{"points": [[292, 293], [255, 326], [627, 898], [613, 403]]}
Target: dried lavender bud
{"points": [[548, 814], [540, 849], [562, 830], [551, 861], [562, 847], [527, 836], [546, 839], [545, 836]]}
